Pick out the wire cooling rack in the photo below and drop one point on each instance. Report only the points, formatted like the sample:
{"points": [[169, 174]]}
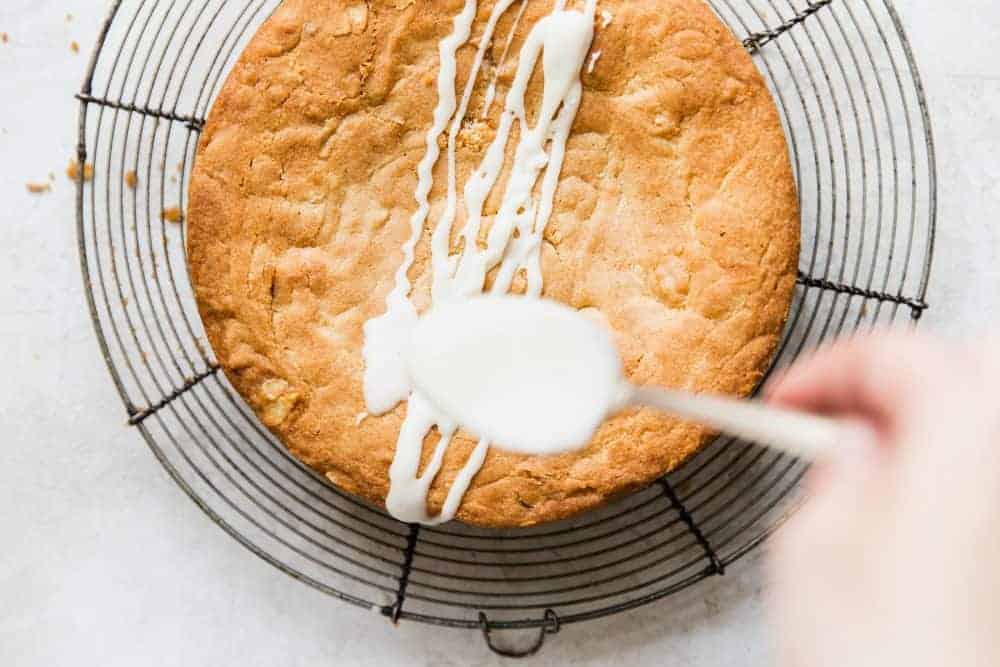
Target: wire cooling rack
{"points": [[854, 111]]}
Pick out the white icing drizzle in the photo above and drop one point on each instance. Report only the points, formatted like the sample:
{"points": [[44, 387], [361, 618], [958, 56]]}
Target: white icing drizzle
{"points": [[562, 40], [606, 18], [491, 90], [592, 61], [442, 232], [385, 380]]}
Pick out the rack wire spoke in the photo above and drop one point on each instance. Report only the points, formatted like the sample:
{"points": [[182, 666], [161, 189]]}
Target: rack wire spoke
{"points": [[853, 108], [191, 121]]}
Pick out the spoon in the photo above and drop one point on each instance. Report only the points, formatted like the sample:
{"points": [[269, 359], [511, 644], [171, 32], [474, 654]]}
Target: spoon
{"points": [[537, 377]]}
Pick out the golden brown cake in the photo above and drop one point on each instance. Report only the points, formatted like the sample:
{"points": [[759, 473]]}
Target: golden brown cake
{"points": [[675, 220]]}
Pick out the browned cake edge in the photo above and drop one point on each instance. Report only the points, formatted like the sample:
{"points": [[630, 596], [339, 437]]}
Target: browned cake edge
{"points": [[209, 204]]}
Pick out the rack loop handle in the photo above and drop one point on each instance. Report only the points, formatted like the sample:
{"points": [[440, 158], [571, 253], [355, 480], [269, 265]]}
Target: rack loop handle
{"points": [[550, 628]]}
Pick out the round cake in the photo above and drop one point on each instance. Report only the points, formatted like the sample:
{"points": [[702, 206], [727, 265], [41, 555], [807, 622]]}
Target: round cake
{"points": [[349, 130]]}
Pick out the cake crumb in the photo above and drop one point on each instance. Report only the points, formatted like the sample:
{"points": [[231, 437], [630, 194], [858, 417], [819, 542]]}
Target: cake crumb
{"points": [[74, 47], [172, 214], [38, 188], [73, 171], [4, 37], [69, 18], [131, 179]]}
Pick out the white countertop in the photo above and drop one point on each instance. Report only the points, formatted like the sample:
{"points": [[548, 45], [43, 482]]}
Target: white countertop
{"points": [[104, 561]]}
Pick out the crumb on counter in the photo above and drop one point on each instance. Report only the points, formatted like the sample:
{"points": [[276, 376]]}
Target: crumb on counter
{"points": [[131, 179], [38, 188], [73, 171], [69, 18], [172, 214], [74, 47], [4, 37]]}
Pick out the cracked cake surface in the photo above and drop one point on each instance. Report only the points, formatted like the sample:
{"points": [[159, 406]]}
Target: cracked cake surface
{"points": [[675, 222]]}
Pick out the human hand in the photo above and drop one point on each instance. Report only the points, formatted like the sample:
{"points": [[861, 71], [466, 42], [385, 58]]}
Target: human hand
{"points": [[895, 557]]}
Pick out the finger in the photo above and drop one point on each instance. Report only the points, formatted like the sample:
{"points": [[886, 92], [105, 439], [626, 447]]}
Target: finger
{"points": [[872, 378]]}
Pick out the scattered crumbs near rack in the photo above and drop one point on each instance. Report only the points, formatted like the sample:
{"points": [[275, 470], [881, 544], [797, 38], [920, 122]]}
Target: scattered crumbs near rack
{"points": [[38, 188], [131, 179], [73, 171], [74, 46]]}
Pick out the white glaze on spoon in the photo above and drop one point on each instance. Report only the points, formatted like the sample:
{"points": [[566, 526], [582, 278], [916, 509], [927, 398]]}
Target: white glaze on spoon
{"points": [[530, 376], [562, 40], [536, 377]]}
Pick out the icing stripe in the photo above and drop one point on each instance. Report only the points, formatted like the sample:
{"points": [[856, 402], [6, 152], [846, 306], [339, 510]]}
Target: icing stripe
{"points": [[561, 40]]}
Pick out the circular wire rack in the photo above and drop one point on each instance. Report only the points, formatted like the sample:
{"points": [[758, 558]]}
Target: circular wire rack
{"points": [[844, 79]]}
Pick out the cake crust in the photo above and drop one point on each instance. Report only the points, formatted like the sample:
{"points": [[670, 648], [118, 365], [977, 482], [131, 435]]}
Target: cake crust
{"points": [[675, 221]]}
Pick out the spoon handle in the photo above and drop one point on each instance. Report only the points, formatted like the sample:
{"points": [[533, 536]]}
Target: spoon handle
{"points": [[807, 436]]}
